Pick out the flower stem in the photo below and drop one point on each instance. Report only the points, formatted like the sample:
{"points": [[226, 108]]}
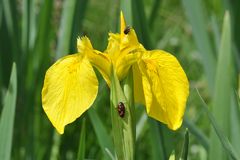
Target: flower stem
{"points": [[123, 126]]}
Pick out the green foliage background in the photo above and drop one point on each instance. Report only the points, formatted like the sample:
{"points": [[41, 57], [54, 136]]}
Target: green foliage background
{"points": [[35, 33]]}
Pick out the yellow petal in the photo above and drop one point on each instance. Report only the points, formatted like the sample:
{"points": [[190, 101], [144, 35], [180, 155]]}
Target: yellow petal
{"points": [[98, 59], [125, 62], [138, 86], [70, 88], [165, 86], [123, 24], [123, 59], [129, 41], [113, 48]]}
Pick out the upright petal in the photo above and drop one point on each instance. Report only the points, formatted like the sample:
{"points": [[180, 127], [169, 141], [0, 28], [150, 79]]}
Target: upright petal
{"points": [[165, 86], [98, 59], [122, 60], [70, 88], [123, 24], [113, 48], [124, 63], [138, 85]]}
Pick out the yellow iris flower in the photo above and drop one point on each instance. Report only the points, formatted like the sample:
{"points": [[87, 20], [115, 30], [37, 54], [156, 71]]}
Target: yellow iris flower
{"points": [[71, 86]]}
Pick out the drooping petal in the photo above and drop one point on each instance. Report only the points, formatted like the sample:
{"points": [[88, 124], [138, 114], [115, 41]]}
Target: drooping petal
{"points": [[98, 59], [165, 86], [70, 88]]}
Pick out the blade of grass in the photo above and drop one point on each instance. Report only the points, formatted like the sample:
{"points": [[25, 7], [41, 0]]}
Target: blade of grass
{"points": [[81, 7], [234, 6], [33, 24], [194, 11], [25, 26], [101, 132], [81, 146], [10, 12], [36, 63], [155, 7], [194, 130], [156, 141], [172, 156], [126, 7], [55, 146], [66, 27], [184, 155], [223, 88], [100, 129], [40, 55], [216, 33], [1, 13], [7, 116], [140, 124], [235, 122], [140, 23], [221, 137], [8, 16]]}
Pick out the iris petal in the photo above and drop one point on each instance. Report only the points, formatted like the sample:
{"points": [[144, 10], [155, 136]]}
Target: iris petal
{"points": [[70, 88], [165, 87], [98, 59], [138, 85]]}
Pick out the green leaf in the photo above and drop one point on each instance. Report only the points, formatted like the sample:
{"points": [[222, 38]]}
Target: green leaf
{"points": [[101, 132], [197, 132], [140, 24], [25, 25], [195, 14], [81, 147], [8, 14], [80, 11], [128, 92], [223, 90], [7, 116], [140, 124], [123, 132], [153, 15], [55, 146], [221, 137], [235, 121], [157, 142], [184, 155], [126, 7], [33, 27], [172, 156], [1, 13], [66, 27], [40, 55]]}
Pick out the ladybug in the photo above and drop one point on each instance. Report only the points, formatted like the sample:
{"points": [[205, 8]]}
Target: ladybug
{"points": [[121, 109], [127, 30]]}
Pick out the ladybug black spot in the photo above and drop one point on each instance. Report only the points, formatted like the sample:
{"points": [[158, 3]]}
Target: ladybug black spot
{"points": [[121, 109], [127, 30]]}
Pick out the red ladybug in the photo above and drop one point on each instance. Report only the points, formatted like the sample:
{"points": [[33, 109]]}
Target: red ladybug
{"points": [[121, 109]]}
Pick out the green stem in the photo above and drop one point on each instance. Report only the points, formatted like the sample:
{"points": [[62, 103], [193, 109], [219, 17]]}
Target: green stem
{"points": [[123, 127], [81, 149], [128, 91]]}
